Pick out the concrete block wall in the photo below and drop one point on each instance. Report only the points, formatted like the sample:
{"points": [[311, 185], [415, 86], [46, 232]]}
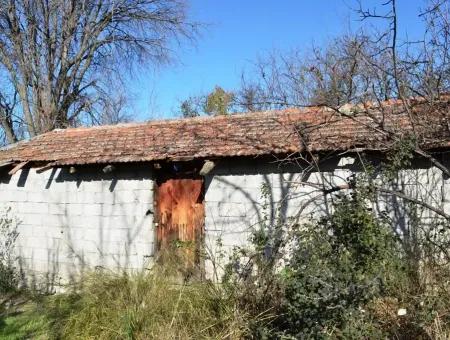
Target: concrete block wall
{"points": [[71, 223], [242, 196], [235, 205]]}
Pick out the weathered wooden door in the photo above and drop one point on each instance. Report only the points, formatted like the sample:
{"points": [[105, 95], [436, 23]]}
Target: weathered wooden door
{"points": [[180, 219]]}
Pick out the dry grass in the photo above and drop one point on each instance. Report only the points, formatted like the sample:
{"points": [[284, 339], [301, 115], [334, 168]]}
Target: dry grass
{"points": [[145, 306]]}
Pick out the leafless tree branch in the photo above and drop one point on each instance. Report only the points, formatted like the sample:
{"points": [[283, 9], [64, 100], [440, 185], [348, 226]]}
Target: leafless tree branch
{"points": [[54, 54]]}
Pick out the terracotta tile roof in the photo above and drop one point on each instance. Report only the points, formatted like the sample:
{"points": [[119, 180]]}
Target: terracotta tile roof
{"points": [[253, 134]]}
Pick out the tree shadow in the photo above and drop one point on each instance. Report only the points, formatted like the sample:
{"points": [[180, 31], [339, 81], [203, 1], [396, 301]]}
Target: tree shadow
{"points": [[89, 219]]}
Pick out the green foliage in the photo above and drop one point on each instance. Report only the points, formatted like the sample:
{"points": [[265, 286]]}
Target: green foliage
{"points": [[146, 305], [345, 275], [338, 265], [399, 156], [8, 236], [218, 102], [24, 321]]}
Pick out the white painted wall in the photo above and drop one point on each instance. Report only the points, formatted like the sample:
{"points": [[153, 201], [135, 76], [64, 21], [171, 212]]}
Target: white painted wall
{"points": [[234, 204], [69, 223]]}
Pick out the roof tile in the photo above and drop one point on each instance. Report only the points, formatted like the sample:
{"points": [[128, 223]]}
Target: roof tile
{"points": [[252, 134]]}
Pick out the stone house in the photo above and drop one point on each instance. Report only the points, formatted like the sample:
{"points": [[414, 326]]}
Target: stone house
{"points": [[116, 196]]}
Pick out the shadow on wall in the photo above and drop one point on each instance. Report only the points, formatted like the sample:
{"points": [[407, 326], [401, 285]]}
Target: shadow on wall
{"points": [[72, 223], [273, 191], [411, 221], [243, 196]]}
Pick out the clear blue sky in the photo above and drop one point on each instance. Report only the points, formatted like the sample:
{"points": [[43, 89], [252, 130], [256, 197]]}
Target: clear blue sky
{"points": [[238, 32]]}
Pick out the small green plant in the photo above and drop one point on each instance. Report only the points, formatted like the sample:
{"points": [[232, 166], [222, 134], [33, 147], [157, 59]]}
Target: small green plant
{"points": [[8, 236], [399, 157], [24, 321]]}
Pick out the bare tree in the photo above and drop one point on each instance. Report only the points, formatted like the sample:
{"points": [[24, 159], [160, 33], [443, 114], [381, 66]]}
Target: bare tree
{"points": [[112, 109], [54, 54], [344, 71], [368, 65]]}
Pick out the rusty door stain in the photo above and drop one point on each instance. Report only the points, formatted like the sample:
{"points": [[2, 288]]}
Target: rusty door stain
{"points": [[180, 218]]}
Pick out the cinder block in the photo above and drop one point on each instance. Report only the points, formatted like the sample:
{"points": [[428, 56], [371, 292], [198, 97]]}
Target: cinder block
{"points": [[85, 197], [18, 196], [125, 196], [124, 209], [45, 232], [25, 229], [40, 254], [24, 252], [39, 267], [54, 221], [75, 221], [143, 248], [92, 209], [92, 186], [230, 238], [446, 191], [57, 208], [215, 194], [71, 235], [113, 210], [446, 207], [53, 188], [30, 219], [60, 197], [232, 209], [30, 241], [75, 209], [118, 235], [92, 234], [144, 196], [129, 184], [105, 197], [35, 208]]}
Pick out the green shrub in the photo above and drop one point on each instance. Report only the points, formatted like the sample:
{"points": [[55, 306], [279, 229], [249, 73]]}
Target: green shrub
{"points": [[338, 265], [346, 275]]}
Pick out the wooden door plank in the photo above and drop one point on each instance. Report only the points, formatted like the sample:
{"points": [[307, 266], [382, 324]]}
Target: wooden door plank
{"points": [[180, 213]]}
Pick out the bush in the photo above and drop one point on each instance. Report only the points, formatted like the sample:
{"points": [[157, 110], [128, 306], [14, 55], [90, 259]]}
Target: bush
{"points": [[338, 265], [345, 275]]}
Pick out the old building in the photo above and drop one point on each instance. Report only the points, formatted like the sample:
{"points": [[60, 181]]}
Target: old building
{"points": [[115, 196]]}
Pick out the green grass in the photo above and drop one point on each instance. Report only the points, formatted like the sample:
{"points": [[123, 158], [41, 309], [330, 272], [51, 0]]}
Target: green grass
{"points": [[25, 322]]}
